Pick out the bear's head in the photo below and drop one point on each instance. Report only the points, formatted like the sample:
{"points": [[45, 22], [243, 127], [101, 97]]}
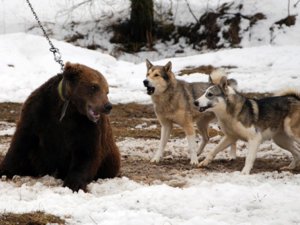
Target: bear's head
{"points": [[87, 89]]}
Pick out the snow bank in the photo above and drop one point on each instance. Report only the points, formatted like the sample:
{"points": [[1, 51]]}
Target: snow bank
{"points": [[26, 63], [226, 199]]}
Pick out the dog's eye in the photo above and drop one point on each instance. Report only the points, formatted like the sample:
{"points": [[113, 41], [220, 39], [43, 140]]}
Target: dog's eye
{"points": [[156, 75], [209, 94]]}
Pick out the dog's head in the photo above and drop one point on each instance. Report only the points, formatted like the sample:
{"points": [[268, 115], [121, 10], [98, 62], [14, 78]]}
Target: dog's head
{"points": [[214, 98], [158, 78]]}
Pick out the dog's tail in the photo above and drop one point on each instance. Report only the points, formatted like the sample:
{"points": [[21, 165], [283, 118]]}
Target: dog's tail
{"points": [[289, 92], [216, 76]]}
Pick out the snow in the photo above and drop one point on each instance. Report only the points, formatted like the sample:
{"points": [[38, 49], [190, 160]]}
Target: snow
{"points": [[205, 198], [213, 198], [26, 63], [262, 199]]}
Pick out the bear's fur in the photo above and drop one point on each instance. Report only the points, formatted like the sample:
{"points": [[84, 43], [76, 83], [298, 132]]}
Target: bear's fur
{"points": [[77, 149]]}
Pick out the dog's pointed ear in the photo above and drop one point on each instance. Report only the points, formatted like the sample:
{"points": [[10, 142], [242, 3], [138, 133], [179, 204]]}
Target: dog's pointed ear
{"points": [[168, 67], [224, 84], [71, 72], [210, 81], [232, 83], [148, 64]]}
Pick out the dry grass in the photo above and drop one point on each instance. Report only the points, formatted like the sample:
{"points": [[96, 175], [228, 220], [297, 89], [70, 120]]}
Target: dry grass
{"points": [[205, 69], [33, 218]]}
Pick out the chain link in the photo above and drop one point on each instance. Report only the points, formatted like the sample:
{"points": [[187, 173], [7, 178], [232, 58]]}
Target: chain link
{"points": [[53, 49]]}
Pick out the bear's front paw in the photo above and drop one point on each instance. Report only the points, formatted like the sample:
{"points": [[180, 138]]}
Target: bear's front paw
{"points": [[75, 184]]}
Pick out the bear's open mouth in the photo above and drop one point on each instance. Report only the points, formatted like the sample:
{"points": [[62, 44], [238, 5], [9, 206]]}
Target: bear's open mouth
{"points": [[150, 90], [92, 114]]}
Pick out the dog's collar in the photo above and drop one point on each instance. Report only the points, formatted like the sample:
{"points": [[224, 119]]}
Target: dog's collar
{"points": [[60, 90]]}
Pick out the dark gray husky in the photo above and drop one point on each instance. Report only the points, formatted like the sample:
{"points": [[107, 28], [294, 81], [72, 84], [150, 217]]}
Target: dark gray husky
{"points": [[254, 121]]}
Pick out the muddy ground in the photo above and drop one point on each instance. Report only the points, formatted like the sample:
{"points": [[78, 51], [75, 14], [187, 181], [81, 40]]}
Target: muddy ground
{"points": [[124, 118]]}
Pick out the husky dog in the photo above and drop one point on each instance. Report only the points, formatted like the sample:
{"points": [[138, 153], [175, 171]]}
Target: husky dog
{"points": [[254, 121], [173, 102]]}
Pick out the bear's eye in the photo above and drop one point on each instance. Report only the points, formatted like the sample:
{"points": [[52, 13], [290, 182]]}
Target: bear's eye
{"points": [[94, 88]]}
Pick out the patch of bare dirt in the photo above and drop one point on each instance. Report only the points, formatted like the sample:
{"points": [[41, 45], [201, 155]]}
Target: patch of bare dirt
{"points": [[205, 69], [34, 218], [169, 170]]}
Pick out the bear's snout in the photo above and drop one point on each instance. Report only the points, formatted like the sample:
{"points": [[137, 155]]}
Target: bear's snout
{"points": [[107, 108]]}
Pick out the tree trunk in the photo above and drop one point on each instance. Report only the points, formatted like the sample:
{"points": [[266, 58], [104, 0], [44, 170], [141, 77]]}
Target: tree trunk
{"points": [[141, 21]]}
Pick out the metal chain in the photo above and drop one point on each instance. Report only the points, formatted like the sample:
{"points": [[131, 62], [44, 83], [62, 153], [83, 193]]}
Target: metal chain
{"points": [[53, 49], [56, 54]]}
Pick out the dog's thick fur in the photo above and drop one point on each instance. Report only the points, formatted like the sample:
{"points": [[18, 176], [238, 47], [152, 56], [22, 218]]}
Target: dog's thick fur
{"points": [[254, 121], [173, 102], [78, 149]]}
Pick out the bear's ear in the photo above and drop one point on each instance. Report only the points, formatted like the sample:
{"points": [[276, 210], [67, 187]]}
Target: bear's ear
{"points": [[71, 72]]}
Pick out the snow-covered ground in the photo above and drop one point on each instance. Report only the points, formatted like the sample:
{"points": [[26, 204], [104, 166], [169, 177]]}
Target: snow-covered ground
{"points": [[204, 198], [26, 63], [210, 198]]}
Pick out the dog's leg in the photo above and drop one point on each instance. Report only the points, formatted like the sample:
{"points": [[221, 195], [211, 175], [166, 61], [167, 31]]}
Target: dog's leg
{"points": [[224, 143], [164, 136], [251, 154], [191, 138], [202, 127], [202, 124], [193, 148], [232, 153], [285, 142]]}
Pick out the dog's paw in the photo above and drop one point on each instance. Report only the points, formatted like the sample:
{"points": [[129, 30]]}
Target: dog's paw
{"points": [[287, 168], [194, 161], [204, 163], [245, 171], [291, 166], [284, 168], [232, 157], [155, 160]]}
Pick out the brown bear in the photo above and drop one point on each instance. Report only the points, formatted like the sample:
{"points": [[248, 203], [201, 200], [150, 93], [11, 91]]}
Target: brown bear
{"points": [[79, 148]]}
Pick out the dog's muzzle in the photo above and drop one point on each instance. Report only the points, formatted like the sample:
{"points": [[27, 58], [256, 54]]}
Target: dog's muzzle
{"points": [[201, 108], [150, 89]]}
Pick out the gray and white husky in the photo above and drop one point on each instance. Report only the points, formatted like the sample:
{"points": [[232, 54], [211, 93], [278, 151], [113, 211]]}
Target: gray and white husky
{"points": [[253, 121]]}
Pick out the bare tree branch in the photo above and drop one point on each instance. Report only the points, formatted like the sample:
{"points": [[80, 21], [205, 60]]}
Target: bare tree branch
{"points": [[295, 5], [189, 7]]}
